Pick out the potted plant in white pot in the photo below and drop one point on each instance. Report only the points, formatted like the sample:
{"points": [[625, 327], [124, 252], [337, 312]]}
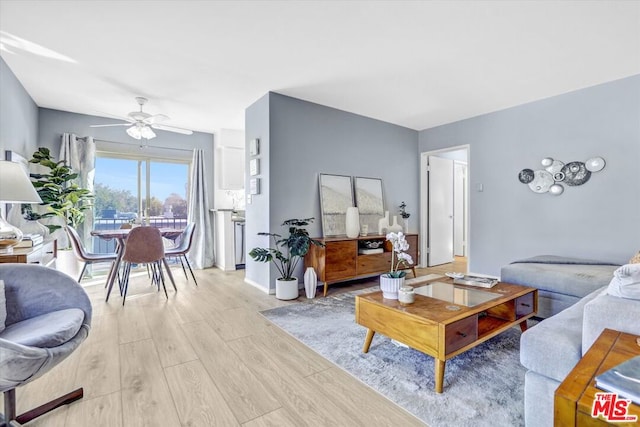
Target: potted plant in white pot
{"points": [[294, 247], [392, 281]]}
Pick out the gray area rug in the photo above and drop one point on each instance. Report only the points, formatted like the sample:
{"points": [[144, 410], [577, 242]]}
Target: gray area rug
{"points": [[482, 387]]}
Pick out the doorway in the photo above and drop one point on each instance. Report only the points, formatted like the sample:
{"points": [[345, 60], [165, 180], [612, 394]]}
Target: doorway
{"points": [[444, 202]]}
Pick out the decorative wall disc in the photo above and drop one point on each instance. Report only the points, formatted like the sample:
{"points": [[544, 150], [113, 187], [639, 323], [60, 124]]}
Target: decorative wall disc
{"points": [[555, 172], [547, 161], [555, 167], [525, 176], [595, 164], [542, 181], [556, 189], [575, 173]]}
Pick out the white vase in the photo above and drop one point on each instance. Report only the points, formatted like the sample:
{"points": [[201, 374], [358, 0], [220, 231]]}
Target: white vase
{"points": [[390, 286], [287, 289], [383, 223], [406, 225], [310, 282], [352, 223], [395, 227]]}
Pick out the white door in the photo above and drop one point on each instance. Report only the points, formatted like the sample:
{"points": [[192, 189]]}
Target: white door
{"points": [[440, 211], [459, 220]]}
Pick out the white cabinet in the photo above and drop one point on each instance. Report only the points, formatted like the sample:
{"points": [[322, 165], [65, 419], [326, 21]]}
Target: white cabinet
{"points": [[231, 168]]}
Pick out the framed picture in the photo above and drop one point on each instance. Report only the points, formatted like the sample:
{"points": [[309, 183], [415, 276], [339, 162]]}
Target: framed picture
{"points": [[254, 147], [369, 200], [254, 167], [254, 186], [336, 195]]}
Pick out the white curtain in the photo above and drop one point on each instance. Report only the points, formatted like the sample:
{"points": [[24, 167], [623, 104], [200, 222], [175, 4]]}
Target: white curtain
{"points": [[201, 254], [80, 155]]}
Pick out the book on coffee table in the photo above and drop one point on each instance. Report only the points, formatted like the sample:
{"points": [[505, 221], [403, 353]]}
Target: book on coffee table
{"points": [[623, 380], [478, 281]]}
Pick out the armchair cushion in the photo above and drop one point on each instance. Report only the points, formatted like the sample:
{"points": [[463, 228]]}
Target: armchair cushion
{"points": [[47, 330]]}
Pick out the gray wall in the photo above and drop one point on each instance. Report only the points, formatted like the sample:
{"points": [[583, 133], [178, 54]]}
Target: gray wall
{"points": [[597, 220], [18, 115], [257, 211], [53, 123], [307, 139]]}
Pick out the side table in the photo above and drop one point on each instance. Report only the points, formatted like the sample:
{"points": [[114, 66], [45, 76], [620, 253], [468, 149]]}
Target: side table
{"points": [[43, 254], [574, 397]]}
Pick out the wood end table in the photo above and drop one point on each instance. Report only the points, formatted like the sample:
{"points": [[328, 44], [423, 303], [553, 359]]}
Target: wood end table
{"points": [[574, 397]]}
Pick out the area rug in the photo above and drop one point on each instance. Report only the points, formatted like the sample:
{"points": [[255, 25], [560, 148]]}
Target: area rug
{"points": [[482, 387]]}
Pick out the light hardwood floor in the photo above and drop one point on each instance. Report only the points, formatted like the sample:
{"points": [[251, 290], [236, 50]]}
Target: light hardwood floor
{"points": [[205, 357]]}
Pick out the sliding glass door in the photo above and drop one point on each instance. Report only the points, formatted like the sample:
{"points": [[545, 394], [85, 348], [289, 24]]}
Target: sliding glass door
{"points": [[141, 190]]}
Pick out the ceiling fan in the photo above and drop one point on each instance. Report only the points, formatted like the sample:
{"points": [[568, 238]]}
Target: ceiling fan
{"points": [[141, 123]]}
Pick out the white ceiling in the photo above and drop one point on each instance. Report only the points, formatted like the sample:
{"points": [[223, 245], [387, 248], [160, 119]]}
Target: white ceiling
{"points": [[416, 64]]}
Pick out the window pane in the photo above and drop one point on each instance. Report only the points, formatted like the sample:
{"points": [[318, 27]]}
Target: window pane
{"points": [[116, 189], [168, 190]]}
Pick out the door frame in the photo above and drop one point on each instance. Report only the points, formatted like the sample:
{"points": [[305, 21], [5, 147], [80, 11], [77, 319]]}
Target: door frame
{"points": [[424, 201]]}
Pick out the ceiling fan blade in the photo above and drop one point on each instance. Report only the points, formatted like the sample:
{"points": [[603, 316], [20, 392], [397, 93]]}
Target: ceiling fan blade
{"points": [[155, 119], [112, 124], [113, 116], [172, 129]]}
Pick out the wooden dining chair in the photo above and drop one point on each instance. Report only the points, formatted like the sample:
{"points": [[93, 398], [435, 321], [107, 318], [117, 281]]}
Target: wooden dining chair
{"points": [[143, 246], [86, 256], [183, 248]]}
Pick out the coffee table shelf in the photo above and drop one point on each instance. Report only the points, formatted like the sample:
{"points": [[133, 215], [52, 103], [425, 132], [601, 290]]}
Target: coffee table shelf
{"points": [[443, 329]]}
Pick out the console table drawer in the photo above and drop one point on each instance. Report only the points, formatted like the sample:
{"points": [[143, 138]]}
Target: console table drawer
{"points": [[460, 333], [375, 263]]}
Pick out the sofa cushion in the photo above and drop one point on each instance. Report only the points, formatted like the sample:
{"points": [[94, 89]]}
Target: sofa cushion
{"points": [[626, 282], [572, 279], [47, 330], [554, 346]]}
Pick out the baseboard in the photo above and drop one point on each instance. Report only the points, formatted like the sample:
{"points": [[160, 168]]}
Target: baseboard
{"points": [[257, 285]]}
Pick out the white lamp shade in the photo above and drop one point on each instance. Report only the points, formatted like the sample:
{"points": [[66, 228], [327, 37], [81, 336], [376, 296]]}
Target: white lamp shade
{"points": [[15, 185]]}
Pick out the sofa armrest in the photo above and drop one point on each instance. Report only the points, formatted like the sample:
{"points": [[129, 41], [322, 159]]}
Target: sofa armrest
{"points": [[607, 311]]}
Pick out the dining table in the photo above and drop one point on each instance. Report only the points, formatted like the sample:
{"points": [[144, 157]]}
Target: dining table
{"points": [[120, 235]]}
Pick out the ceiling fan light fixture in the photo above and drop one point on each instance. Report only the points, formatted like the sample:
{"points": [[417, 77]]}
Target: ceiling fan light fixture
{"points": [[134, 132], [147, 133]]}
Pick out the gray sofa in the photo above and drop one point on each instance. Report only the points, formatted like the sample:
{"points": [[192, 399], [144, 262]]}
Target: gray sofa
{"points": [[561, 281], [550, 349]]}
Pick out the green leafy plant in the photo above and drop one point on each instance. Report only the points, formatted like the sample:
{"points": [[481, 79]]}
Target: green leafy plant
{"points": [[61, 196], [294, 247]]}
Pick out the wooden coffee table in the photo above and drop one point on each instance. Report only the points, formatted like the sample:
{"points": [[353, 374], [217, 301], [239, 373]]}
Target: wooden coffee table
{"points": [[441, 328]]}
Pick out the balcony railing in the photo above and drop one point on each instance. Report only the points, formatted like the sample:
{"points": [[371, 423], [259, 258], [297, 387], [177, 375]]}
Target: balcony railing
{"points": [[105, 246]]}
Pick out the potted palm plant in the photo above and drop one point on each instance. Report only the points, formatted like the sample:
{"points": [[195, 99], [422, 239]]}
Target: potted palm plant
{"points": [[286, 254]]}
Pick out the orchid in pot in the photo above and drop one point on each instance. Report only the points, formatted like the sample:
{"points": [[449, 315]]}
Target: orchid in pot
{"points": [[392, 281]]}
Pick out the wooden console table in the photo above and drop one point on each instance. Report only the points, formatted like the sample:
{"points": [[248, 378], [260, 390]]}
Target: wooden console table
{"points": [[574, 397], [43, 254], [339, 260]]}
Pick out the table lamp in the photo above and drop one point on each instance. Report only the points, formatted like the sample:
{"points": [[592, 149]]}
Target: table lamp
{"points": [[15, 187]]}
